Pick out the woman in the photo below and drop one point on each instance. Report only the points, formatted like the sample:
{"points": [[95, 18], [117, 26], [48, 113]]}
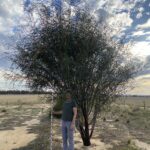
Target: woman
{"points": [[69, 113]]}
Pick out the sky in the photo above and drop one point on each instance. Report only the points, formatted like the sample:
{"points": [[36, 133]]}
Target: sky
{"points": [[130, 17]]}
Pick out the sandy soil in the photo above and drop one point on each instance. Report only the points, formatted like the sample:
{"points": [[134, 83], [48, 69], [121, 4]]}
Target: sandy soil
{"points": [[141, 145], [18, 137], [97, 144]]}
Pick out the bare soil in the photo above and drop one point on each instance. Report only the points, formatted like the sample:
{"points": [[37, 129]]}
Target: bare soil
{"points": [[27, 127]]}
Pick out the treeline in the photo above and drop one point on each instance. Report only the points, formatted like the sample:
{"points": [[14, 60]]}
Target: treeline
{"points": [[23, 92]]}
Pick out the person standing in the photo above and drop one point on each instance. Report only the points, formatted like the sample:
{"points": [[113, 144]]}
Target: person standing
{"points": [[69, 114]]}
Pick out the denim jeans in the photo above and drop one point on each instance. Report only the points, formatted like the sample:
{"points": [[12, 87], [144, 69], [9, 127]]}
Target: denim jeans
{"points": [[67, 135]]}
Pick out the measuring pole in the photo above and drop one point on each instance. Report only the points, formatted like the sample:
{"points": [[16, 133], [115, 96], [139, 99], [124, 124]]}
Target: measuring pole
{"points": [[51, 124]]}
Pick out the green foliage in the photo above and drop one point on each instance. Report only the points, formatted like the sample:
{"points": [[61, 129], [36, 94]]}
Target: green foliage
{"points": [[81, 56], [58, 105], [60, 98], [59, 102]]}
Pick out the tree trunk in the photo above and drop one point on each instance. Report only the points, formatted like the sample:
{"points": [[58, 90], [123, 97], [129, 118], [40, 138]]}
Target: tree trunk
{"points": [[86, 141], [84, 130], [85, 136]]}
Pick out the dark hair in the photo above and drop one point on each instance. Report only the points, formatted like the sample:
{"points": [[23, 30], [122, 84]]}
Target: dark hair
{"points": [[68, 91]]}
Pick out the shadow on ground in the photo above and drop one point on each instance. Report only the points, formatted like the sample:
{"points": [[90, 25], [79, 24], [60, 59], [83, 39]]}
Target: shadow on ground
{"points": [[18, 117], [42, 142]]}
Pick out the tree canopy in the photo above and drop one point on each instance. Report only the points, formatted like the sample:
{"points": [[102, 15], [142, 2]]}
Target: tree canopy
{"points": [[79, 54]]}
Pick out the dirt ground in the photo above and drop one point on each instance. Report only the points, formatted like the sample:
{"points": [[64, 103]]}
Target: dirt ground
{"points": [[27, 127]]}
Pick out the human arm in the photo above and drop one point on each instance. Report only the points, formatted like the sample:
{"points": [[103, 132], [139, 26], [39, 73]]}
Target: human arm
{"points": [[74, 117], [57, 112]]}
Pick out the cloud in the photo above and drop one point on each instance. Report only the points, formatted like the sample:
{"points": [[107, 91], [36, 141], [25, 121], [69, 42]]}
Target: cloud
{"points": [[144, 64], [10, 14], [141, 49], [2, 48], [139, 15], [130, 17], [118, 13], [141, 85], [147, 62], [10, 84], [3, 11], [139, 33], [145, 25], [121, 20]]}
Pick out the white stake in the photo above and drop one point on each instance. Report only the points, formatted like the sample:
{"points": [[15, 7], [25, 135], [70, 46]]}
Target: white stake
{"points": [[51, 131]]}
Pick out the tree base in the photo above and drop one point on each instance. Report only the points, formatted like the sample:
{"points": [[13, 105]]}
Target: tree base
{"points": [[86, 142]]}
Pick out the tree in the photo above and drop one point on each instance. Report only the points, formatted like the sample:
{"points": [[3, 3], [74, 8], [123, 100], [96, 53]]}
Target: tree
{"points": [[79, 55]]}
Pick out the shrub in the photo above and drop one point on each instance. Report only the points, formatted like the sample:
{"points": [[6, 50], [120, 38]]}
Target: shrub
{"points": [[58, 105]]}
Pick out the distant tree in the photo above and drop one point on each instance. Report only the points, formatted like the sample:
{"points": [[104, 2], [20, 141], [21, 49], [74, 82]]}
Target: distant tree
{"points": [[79, 54], [23, 92]]}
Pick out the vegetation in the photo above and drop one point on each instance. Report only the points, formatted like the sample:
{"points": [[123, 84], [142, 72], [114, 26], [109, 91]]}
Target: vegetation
{"points": [[23, 92], [108, 131], [61, 53]]}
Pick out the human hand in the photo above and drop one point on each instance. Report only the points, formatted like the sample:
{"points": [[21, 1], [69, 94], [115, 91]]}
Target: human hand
{"points": [[72, 125], [57, 112], [54, 113]]}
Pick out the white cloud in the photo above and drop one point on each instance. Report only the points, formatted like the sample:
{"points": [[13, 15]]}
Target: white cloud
{"points": [[120, 20], [9, 11], [2, 48], [9, 84], [116, 12], [3, 73], [148, 38], [141, 9], [145, 25], [141, 86], [139, 15], [141, 49], [139, 32]]}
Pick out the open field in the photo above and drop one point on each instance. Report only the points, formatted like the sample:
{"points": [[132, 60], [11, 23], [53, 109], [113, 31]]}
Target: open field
{"points": [[137, 101], [21, 99], [25, 125]]}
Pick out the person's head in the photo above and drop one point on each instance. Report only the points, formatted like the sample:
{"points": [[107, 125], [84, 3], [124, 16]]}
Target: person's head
{"points": [[68, 95]]}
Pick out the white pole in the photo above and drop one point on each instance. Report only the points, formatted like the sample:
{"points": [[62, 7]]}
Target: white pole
{"points": [[51, 131]]}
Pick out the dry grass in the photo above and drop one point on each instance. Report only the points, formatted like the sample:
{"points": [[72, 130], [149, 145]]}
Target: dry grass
{"points": [[25, 125], [138, 101], [14, 99]]}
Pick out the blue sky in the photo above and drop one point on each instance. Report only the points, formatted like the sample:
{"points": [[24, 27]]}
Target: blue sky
{"points": [[128, 17]]}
